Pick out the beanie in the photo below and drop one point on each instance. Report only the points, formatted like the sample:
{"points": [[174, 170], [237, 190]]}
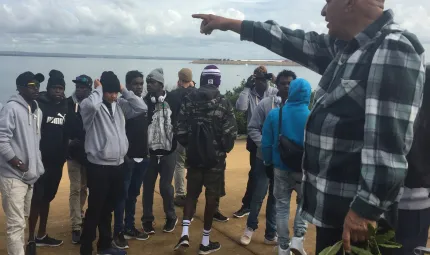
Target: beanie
{"points": [[156, 75], [211, 75], [110, 82], [56, 78], [185, 75]]}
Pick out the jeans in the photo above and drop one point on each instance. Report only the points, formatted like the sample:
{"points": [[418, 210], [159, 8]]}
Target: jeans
{"points": [[412, 230], [16, 199], [105, 185], [285, 183], [263, 183], [78, 192], [133, 178], [250, 186], [180, 171], [165, 166]]}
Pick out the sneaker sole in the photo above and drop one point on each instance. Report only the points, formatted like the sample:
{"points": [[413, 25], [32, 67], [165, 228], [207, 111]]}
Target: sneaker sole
{"points": [[271, 242], [173, 229], [245, 243], [118, 247], [296, 252], [240, 216], [152, 232], [218, 220], [183, 245], [135, 238], [73, 242], [209, 252], [48, 245]]}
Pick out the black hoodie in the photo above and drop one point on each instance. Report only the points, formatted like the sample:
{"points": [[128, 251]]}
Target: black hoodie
{"points": [[75, 131], [54, 139]]}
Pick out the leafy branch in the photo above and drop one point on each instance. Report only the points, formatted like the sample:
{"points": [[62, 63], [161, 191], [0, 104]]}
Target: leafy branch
{"points": [[372, 246]]}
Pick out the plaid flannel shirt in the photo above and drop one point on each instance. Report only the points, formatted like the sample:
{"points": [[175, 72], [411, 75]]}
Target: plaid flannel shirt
{"points": [[361, 127]]}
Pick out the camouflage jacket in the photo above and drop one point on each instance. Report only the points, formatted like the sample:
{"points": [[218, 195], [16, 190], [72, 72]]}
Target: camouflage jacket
{"points": [[207, 103]]}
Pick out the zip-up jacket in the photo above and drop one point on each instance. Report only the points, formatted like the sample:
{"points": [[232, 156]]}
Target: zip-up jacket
{"points": [[106, 141]]}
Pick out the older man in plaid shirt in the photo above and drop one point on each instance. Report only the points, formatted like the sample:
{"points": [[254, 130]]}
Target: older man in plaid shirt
{"points": [[361, 127]]}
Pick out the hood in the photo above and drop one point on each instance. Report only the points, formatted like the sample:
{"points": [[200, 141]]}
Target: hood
{"points": [[300, 92], [20, 100], [205, 93]]}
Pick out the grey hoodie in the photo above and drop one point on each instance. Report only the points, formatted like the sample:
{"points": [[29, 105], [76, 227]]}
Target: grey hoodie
{"points": [[255, 125], [20, 137], [106, 140], [248, 100]]}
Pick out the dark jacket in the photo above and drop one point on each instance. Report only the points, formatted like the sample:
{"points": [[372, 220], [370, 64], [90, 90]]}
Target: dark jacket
{"points": [[75, 131], [54, 139], [136, 130], [207, 103]]}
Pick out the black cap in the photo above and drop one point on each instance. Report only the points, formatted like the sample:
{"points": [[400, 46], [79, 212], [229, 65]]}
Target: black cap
{"points": [[110, 82], [27, 78], [84, 80]]}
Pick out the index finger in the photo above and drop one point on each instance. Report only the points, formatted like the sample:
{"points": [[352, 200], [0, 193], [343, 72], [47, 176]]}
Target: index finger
{"points": [[346, 238], [200, 16]]}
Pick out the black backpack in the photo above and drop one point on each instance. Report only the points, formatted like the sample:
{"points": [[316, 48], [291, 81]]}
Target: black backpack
{"points": [[201, 151], [291, 153]]}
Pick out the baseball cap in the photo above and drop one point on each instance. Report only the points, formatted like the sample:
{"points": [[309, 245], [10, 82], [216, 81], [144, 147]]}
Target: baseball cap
{"points": [[29, 79], [83, 79]]}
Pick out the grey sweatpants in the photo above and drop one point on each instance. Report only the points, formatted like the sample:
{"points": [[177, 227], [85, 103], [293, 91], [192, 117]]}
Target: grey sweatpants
{"points": [[180, 171]]}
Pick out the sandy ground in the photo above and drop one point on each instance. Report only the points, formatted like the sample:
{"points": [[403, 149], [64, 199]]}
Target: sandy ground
{"points": [[227, 234]]}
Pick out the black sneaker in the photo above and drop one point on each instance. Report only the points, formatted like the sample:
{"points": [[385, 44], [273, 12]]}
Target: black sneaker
{"points": [[120, 242], [170, 225], [76, 236], [183, 243], [180, 201], [112, 251], [148, 228], [135, 234], [219, 217], [31, 248], [48, 241], [242, 212], [212, 247]]}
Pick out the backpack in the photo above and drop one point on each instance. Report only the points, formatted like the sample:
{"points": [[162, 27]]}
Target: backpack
{"points": [[291, 153], [201, 152]]}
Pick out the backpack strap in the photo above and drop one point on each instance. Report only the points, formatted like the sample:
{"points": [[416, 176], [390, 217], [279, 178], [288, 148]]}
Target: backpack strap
{"points": [[280, 121]]}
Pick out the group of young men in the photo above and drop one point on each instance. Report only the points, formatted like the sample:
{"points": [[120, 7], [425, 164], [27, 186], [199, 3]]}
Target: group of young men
{"points": [[112, 146]]}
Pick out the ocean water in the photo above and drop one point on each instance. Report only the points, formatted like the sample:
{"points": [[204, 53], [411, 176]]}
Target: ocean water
{"points": [[232, 75]]}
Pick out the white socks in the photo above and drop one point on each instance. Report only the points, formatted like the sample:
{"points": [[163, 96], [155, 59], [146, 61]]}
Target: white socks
{"points": [[205, 239], [185, 225]]}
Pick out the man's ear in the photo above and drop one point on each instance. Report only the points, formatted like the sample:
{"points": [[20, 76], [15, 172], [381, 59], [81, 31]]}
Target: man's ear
{"points": [[350, 5]]}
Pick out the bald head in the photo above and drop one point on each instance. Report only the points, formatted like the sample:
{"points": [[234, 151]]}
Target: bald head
{"points": [[347, 18]]}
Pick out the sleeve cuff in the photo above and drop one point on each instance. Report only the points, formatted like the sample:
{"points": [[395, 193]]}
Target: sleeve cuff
{"points": [[365, 210], [9, 155], [126, 93], [247, 31]]}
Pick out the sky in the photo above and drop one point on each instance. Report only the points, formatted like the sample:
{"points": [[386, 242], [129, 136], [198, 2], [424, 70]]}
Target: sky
{"points": [[165, 27]]}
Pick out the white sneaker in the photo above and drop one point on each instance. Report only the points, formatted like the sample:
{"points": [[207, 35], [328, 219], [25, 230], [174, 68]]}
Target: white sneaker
{"points": [[274, 241], [297, 246], [283, 252], [247, 236]]}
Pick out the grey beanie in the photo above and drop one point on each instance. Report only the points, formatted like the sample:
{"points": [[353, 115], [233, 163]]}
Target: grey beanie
{"points": [[156, 75]]}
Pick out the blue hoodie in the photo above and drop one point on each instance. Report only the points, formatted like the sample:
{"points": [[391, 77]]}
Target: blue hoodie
{"points": [[294, 116]]}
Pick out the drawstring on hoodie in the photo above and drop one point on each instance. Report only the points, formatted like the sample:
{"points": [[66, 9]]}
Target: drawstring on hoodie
{"points": [[37, 117]]}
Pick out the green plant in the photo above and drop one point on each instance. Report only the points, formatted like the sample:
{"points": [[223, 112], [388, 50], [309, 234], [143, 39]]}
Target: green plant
{"points": [[373, 246], [241, 117]]}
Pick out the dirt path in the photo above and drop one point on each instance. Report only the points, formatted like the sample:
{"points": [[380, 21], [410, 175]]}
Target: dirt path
{"points": [[227, 234]]}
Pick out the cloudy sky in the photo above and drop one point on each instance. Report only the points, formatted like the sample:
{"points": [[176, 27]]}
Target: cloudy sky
{"points": [[164, 27]]}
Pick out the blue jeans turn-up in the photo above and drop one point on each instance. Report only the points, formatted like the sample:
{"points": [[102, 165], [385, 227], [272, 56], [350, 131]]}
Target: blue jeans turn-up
{"points": [[133, 179], [262, 184], [285, 183]]}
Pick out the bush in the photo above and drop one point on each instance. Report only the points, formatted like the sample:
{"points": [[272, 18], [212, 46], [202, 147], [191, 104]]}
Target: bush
{"points": [[241, 117]]}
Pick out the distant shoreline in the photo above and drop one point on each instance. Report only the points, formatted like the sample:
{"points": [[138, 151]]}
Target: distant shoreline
{"points": [[244, 62]]}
